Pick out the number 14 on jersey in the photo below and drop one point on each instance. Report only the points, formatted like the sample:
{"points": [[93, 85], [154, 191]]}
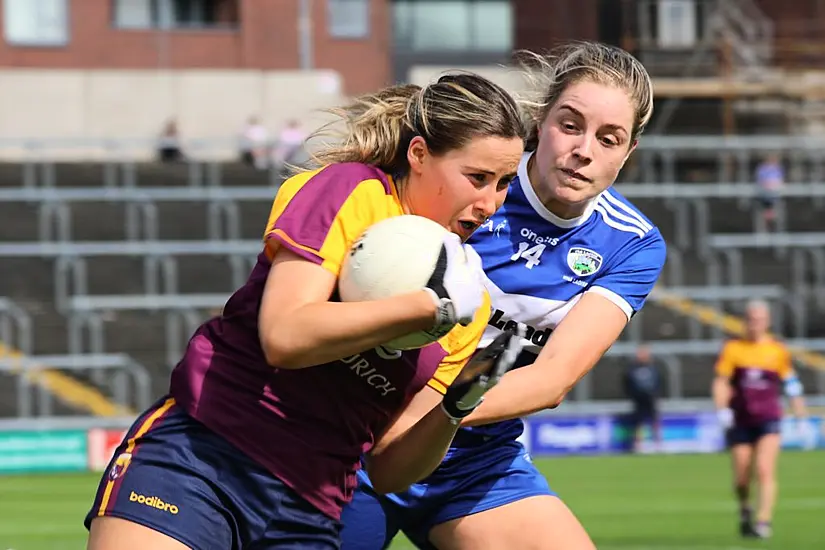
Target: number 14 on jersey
{"points": [[530, 254]]}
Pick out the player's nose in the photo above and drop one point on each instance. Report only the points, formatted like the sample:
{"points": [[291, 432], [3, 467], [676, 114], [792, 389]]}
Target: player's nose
{"points": [[487, 203]]}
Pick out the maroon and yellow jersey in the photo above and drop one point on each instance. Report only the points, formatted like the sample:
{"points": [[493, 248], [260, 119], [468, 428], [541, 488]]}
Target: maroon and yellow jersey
{"points": [[310, 426], [757, 371]]}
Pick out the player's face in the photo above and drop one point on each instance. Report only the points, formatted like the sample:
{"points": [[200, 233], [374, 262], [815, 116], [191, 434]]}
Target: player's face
{"points": [[583, 143], [758, 321], [464, 187]]}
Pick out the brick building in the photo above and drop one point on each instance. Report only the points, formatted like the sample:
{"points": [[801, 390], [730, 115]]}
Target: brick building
{"points": [[374, 42]]}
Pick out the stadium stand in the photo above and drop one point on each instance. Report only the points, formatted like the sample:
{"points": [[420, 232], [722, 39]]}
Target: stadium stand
{"points": [[127, 258]]}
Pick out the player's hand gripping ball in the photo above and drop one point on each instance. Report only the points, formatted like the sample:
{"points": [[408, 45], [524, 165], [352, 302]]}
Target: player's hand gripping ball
{"points": [[409, 253]]}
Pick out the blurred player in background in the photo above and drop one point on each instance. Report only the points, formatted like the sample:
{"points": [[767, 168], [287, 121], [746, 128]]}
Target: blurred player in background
{"points": [[770, 178], [750, 376], [571, 259], [276, 400], [642, 384]]}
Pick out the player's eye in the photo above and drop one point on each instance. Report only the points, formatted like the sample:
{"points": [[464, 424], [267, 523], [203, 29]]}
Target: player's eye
{"points": [[569, 126], [610, 141], [480, 179], [504, 183]]}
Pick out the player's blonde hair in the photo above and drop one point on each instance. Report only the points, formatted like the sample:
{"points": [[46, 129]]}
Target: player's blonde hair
{"points": [[550, 75], [377, 128]]}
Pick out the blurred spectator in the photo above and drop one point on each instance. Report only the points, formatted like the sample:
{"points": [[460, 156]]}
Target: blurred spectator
{"points": [[770, 177], [169, 146], [290, 141], [255, 144], [642, 383]]}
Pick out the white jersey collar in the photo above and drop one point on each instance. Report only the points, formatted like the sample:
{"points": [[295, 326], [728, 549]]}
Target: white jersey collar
{"points": [[541, 210]]}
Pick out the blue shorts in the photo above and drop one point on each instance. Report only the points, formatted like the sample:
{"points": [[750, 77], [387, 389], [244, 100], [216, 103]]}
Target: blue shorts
{"points": [[172, 474], [465, 484], [749, 435]]}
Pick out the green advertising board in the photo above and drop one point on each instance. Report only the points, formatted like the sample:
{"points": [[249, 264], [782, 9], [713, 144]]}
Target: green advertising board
{"points": [[43, 451]]}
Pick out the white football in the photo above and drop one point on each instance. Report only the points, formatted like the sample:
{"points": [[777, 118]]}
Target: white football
{"points": [[395, 256]]}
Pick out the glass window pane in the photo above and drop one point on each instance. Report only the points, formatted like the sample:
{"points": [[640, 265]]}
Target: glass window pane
{"points": [[493, 26], [133, 14], [402, 24], [440, 26], [348, 18], [36, 22], [677, 23]]}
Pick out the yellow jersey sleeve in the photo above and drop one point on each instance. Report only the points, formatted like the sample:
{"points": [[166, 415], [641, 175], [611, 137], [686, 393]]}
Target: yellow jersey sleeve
{"points": [[318, 215], [460, 344], [785, 367], [726, 364]]}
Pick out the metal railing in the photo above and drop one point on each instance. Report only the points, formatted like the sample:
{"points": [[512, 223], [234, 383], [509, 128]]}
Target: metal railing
{"points": [[130, 383], [15, 327], [807, 256], [160, 272], [223, 220], [182, 316], [673, 352]]}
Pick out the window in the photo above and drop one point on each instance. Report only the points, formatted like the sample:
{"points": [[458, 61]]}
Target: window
{"points": [[443, 25], [133, 14], [677, 23], [348, 18], [453, 25], [168, 14], [493, 26], [36, 22]]}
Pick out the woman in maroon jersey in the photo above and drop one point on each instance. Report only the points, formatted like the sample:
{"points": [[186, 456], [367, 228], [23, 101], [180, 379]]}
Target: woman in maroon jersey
{"points": [[751, 373], [276, 400]]}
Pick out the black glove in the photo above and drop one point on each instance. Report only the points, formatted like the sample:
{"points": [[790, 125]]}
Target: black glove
{"points": [[481, 373]]}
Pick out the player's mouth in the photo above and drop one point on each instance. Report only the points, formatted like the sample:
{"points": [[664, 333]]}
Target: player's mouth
{"points": [[465, 228], [575, 175]]}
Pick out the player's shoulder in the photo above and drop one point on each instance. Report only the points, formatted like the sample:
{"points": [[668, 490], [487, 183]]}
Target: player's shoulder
{"points": [[735, 344], [335, 182], [623, 219], [779, 343], [629, 235]]}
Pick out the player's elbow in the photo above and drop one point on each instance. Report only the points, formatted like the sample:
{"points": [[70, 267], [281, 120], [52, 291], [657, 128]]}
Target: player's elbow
{"points": [[558, 401], [385, 488], [283, 351], [386, 483]]}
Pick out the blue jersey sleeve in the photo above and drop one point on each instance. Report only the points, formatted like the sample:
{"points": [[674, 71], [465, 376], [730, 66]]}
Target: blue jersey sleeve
{"points": [[635, 270]]}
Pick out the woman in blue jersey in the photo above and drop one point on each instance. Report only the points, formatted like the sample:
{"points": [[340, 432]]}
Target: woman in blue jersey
{"points": [[276, 400], [573, 260]]}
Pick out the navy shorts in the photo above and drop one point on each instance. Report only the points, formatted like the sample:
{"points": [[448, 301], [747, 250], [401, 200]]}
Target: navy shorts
{"points": [[644, 412], [174, 475], [481, 480], [749, 435]]}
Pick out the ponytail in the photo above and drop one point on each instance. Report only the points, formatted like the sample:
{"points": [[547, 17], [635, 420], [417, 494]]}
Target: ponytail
{"points": [[377, 129]]}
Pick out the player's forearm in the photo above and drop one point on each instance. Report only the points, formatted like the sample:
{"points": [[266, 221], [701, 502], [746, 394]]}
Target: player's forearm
{"points": [[522, 392], [413, 455], [798, 407], [720, 393], [321, 332]]}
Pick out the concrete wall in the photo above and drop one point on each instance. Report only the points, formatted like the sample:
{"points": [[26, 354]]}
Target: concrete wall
{"points": [[91, 105]]}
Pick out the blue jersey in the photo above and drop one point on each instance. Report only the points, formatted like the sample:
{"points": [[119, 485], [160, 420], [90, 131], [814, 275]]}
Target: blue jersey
{"points": [[537, 265]]}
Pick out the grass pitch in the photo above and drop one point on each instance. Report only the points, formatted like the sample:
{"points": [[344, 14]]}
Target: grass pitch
{"points": [[649, 502]]}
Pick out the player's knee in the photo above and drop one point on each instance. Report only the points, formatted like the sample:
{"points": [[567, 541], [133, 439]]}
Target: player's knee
{"points": [[765, 473]]}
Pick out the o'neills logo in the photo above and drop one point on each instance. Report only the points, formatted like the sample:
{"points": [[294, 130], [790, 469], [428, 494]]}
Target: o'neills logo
{"points": [[153, 502]]}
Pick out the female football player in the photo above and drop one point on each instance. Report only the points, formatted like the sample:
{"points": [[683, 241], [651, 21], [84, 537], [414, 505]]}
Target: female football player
{"points": [[573, 260], [750, 375], [275, 401]]}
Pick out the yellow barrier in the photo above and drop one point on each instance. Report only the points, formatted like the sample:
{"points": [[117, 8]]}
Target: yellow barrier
{"points": [[67, 388], [730, 324]]}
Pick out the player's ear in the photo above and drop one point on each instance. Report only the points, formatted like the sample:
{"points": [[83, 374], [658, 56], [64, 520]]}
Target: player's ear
{"points": [[630, 150], [417, 153]]}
